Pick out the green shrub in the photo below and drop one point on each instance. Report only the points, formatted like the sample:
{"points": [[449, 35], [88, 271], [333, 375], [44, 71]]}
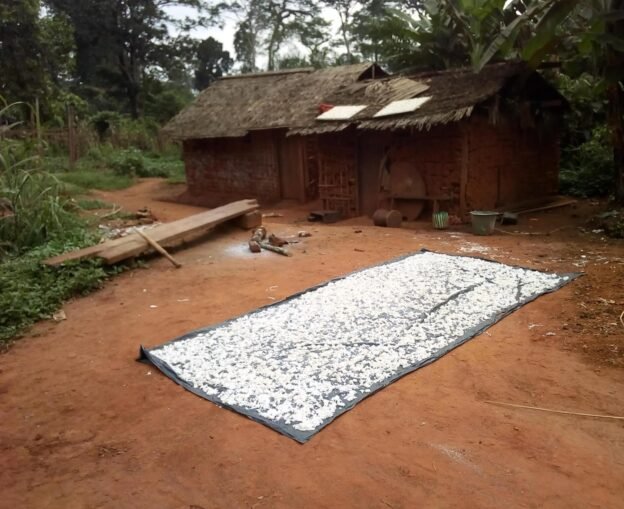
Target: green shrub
{"points": [[34, 208], [587, 170], [37, 222], [140, 133], [132, 162], [30, 291], [612, 222], [164, 167], [129, 163], [55, 164]]}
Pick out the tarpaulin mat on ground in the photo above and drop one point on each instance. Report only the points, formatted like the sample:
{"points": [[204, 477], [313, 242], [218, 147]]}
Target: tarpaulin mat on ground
{"points": [[298, 364]]}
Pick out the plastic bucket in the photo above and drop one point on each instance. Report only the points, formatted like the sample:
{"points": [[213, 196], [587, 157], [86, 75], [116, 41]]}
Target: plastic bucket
{"points": [[440, 220], [483, 222]]}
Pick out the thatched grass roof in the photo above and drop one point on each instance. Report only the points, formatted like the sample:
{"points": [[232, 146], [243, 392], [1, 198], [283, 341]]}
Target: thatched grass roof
{"points": [[235, 105], [232, 107], [454, 94]]}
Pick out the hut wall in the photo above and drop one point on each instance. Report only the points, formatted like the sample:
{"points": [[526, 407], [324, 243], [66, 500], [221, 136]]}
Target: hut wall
{"points": [[509, 165], [435, 155], [225, 169]]}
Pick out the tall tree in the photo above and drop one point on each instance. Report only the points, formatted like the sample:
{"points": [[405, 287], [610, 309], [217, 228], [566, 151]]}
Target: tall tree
{"points": [[265, 25], [248, 35], [284, 19], [371, 28], [36, 62], [22, 76], [346, 10], [121, 42], [212, 62]]}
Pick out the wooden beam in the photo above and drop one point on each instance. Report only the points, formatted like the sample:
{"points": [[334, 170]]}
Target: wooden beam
{"points": [[464, 168], [166, 234], [549, 206], [179, 231]]}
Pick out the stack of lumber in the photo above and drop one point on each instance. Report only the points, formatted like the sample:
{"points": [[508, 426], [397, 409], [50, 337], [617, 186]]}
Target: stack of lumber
{"points": [[166, 235]]}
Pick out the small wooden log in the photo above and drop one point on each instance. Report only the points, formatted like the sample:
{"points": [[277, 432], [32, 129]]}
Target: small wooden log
{"points": [[257, 236], [159, 248], [389, 218], [274, 240], [275, 249]]}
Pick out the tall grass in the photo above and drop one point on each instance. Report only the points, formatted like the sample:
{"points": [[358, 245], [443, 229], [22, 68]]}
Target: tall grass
{"points": [[32, 208]]}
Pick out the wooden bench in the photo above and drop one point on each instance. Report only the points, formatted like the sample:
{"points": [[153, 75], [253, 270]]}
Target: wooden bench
{"points": [[422, 198]]}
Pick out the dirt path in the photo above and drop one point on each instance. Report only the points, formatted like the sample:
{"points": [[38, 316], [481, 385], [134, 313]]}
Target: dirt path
{"points": [[84, 426]]}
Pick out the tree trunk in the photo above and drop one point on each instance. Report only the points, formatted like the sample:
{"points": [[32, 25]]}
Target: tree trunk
{"points": [[616, 125], [344, 17], [615, 64], [133, 100]]}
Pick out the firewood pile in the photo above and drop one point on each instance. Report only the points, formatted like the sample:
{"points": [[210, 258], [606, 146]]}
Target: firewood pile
{"points": [[261, 239]]}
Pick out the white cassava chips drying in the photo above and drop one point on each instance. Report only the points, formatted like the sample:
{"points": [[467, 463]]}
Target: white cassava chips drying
{"points": [[298, 364]]}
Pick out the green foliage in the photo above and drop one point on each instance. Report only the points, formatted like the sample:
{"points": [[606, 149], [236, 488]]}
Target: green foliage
{"points": [[30, 291], [611, 222], [588, 105], [83, 178], [140, 133], [172, 168], [587, 169], [37, 54], [212, 62], [269, 24], [128, 163], [36, 210], [106, 168], [133, 163], [92, 204], [121, 44], [33, 209], [21, 75], [613, 225], [164, 100], [103, 122], [120, 131]]}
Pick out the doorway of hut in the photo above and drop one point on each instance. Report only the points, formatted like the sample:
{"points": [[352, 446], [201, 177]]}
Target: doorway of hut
{"points": [[290, 161], [374, 156]]}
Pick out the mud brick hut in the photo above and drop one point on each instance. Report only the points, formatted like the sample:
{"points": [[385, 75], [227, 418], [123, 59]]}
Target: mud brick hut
{"points": [[359, 139]]}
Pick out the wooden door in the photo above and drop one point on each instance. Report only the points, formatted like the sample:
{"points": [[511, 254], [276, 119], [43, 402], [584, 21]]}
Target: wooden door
{"points": [[291, 168], [338, 179], [371, 150]]}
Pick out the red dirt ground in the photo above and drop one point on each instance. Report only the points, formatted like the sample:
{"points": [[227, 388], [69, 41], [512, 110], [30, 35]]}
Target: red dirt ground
{"points": [[85, 426]]}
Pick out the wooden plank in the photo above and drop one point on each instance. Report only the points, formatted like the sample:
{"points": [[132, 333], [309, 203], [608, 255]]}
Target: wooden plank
{"points": [[178, 231], [116, 250], [87, 252]]}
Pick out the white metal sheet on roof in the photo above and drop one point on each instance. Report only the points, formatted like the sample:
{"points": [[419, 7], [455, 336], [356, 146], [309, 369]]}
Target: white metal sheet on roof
{"points": [[403, 106], [341, 112]]}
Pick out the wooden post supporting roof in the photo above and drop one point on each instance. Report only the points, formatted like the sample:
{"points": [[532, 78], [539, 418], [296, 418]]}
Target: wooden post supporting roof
{"points": [[464, 129]]}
